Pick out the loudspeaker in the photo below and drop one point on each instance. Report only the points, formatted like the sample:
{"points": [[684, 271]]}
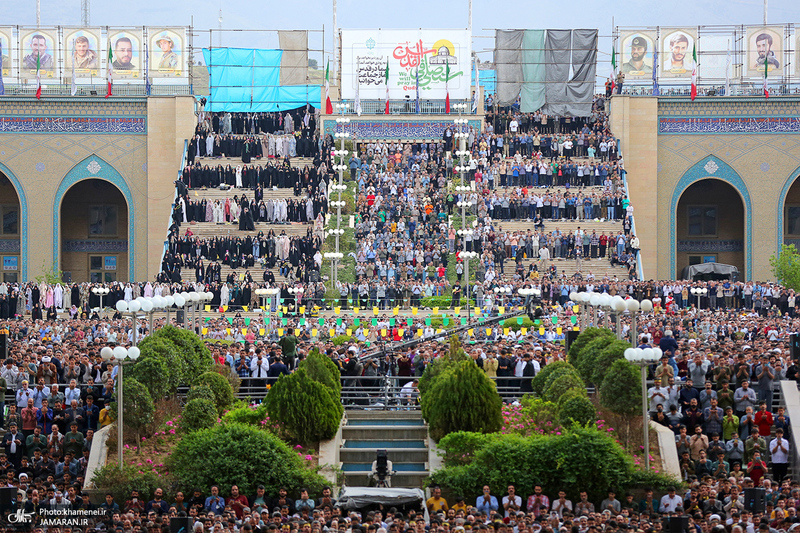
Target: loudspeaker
{"points": [[794, 345], [571, 337], [755, 500], [678, 524], [180, 525], [7, 497], [3, 346], [179, 316]]}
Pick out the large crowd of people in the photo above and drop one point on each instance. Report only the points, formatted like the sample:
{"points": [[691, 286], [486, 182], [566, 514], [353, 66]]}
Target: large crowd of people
{"points": [[714, 388]]}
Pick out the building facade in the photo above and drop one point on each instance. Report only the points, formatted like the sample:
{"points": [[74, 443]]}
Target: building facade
{"points": [[87, 184], [711, 180]]}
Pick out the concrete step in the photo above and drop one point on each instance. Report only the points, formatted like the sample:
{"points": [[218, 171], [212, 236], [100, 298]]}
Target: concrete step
{"points": [[384, 432], [383, 415], [401, 479], [396, 455], [417, 444]]}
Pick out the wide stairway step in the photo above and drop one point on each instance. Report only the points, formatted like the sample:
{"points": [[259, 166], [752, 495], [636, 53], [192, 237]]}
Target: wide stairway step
{"points": [[403, 434]]}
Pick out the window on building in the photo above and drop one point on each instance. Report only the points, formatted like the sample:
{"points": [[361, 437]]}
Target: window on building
{"points": [[98, 269], [695, 260], [103, 220], [702, 220], [793, 220], [10, 218]]}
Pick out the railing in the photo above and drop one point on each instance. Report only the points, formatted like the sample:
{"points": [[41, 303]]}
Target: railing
{"points": [[97, 90], [174, 199], [683, 90], [624, 175], [405, 107]]}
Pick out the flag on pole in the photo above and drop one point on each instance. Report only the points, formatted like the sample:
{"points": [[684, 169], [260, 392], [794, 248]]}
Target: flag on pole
{"points": [[447, 90], [328, 105], [416, 84], [38, 77], [146, 69], [656, 90], [2, 87], [74, 88], [613, 69], [728, 71], [110, 69], [694, 72], [766, 74], [386, 111]]}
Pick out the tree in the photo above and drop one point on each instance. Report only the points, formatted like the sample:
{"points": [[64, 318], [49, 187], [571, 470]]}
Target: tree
{"points": [[539, 382], [786, 266], [320, 368], [238, 454], [137, 405], [199, 413], [588, 359], [309, 410], [221, 387], [458, 396], [561, 385], [586, 336], [621, 392], [613, 351]]}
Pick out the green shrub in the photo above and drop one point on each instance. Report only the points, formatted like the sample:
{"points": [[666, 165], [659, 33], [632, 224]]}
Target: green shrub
{"points": [[170, 357], [461, 398], [120, 482], [576, 409], [221, 387], [572, 393], [458, 448], [242, 455], [621, 391], [200, 391], [558, 373], [541, 412], [246, 414], [579, 459], [342, 339], [137, 405], [198, 414], [195, 356], [541, 377], [320, 368], [307, 409], [586, 336], [561, 385], [587, 363], [444, 302], [613, 351]]}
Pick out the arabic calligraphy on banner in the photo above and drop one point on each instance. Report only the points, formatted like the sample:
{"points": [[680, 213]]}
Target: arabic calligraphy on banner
{"points": [[729, 125], [412, 55]]}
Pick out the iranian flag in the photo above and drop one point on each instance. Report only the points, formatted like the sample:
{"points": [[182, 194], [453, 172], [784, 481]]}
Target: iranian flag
{"points": [[386, 111], [447, 90], [613, 69], [766, 74], [694, 71], [38, 78], [328, 104], [110, 69]]}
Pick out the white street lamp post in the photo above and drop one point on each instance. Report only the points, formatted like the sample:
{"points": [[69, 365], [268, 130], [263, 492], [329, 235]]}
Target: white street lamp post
{"points": [[121, 356], [100, 291], [643, 358], [342, 107]]}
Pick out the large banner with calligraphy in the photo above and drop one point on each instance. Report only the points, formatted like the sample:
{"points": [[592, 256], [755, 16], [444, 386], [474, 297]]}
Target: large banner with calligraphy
{"points": [[412, 55]]}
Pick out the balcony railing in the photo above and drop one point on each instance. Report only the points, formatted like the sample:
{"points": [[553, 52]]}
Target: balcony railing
{"points": [[405, 107]]}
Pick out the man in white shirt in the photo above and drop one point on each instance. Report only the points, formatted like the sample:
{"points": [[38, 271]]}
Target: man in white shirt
{"points": [[670, 502], [658, 395], [779, 451], [511, 502]]}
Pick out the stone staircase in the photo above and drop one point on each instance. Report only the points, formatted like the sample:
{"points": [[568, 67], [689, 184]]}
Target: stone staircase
{"points": [[403, 434]]}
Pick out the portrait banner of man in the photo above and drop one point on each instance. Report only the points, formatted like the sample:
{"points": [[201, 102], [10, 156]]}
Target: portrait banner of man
{"points": [[637, 54], [167, 54], [84, 50], [7, 52], [764, 45], [126, 49], [39, 43], [676, 52]]}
